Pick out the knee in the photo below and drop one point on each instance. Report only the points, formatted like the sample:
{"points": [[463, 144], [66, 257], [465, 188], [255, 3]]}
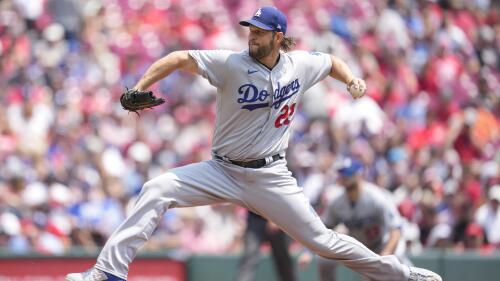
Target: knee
{"points": [[323, 243], [159, 187]]}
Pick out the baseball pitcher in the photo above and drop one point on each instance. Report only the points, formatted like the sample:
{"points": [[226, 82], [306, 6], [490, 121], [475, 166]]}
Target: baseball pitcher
{"points": [[258, 94]]}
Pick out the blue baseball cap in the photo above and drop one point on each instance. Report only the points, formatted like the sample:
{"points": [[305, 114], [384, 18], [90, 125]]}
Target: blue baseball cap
{"points": [[348, 167], [267, 18]]}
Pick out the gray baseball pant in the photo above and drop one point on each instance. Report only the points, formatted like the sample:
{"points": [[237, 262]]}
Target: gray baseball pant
{"points": [[270, 191], [327, 267]]}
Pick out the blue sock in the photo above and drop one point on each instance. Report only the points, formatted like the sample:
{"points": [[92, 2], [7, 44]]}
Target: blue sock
{"points": [[112, 277]]}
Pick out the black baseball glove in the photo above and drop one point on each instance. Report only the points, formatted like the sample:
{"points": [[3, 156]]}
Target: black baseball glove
{"points": [[135, 100]]}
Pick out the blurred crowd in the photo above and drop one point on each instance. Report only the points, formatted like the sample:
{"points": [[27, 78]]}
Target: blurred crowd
{"points": [[72, 161]]}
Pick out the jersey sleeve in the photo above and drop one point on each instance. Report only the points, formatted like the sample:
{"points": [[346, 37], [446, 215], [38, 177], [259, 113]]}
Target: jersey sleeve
{"points": [[315, 66], [212, 65]]}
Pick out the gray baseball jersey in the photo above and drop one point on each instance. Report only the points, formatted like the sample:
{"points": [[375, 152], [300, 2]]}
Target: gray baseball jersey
{"points": [[255, 103], [369, 220]]}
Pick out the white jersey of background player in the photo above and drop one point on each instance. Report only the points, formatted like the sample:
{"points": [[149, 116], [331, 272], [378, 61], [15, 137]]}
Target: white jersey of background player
{"points": [[258, 92]]}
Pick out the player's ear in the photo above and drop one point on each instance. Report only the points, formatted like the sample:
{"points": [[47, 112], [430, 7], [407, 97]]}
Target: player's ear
{"points": [[280, 36]]}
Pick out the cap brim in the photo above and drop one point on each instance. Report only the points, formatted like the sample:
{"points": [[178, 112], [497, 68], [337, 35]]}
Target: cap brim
{"points": [[255, 23], [347, 172]]}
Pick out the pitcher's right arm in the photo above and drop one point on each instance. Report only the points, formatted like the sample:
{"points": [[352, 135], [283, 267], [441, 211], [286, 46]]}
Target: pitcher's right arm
{"points": [[163, 67]]}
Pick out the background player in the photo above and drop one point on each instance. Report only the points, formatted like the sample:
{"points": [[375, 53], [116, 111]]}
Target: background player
{"points": [[259, 230], [258, 91], [369, 214]]}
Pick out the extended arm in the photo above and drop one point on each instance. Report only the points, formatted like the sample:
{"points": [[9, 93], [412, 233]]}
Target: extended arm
{"points": [[341, 71], [166, 65]]}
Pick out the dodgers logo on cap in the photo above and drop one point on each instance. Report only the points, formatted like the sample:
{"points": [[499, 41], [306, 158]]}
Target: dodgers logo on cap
{"points": [[267, 18]]}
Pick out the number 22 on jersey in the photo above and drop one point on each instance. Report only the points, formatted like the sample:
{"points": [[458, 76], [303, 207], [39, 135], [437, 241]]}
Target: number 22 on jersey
{"points": [[286, 115]]}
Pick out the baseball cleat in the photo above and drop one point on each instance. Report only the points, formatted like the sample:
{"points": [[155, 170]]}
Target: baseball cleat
{"points": [[92, 274], [420, 274]]}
